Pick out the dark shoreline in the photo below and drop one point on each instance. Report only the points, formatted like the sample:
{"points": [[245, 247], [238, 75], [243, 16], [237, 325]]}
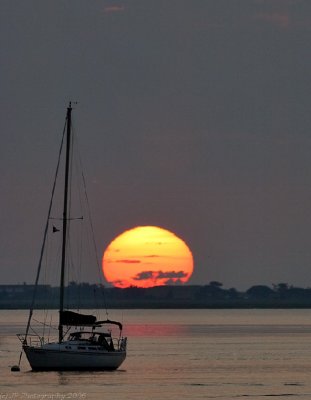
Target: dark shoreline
{"points": [[211, 296]]}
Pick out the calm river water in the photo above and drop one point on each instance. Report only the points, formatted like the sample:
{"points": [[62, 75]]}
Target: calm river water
{"points": [[179, 354]]}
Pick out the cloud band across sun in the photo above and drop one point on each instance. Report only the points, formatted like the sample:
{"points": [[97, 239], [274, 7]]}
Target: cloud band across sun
{"points": [[147, 256]]}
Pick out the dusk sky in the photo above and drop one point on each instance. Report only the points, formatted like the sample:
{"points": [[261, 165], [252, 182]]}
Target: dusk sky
{"points": [[193, 115]]}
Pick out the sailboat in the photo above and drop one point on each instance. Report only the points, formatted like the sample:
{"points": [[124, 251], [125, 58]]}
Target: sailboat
{"points": [[83, 342]]}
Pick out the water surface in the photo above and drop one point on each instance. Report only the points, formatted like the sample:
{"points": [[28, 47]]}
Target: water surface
{"points": [[180, 354]]}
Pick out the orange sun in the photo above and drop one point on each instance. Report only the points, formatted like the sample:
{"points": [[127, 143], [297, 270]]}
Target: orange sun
{"points": [[147, 256]]}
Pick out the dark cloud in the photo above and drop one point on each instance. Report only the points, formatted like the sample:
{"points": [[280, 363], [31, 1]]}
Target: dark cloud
{"points": [[125, 261], [144, 275], [114, 9], [281, 20], [171, 274], [157, 275]]}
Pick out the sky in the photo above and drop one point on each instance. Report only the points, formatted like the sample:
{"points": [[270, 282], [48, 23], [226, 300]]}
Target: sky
{"points": [[192, 115]]}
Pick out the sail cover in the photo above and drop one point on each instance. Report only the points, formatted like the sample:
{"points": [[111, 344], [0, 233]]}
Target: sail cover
{"points": [[73, 318]]}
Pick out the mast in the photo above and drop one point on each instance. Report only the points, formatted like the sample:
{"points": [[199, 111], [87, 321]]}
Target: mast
{"points": [[65, 219]]}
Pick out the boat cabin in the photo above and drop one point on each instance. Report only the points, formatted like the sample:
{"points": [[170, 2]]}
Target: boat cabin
{"points": [[93, 338]]}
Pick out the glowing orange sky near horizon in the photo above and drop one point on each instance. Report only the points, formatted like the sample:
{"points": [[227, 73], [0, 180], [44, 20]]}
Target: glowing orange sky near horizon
{"points": [[147, 256]]}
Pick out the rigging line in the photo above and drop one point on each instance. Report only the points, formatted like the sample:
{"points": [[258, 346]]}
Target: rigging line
{"points": [[72, 258], [80, 236], [93, 235], [45, 234], [45, 324], [88, 210]]}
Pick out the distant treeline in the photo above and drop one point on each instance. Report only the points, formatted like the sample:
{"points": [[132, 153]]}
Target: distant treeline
{"points": [[212, 295]]}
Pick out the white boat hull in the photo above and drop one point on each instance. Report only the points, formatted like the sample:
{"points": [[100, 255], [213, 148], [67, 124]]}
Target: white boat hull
{"points": [[41, 358]]}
